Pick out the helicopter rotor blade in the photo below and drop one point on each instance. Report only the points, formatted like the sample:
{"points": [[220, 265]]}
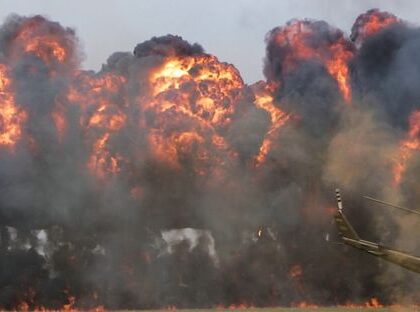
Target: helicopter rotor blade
{"points": [[392, 205]]}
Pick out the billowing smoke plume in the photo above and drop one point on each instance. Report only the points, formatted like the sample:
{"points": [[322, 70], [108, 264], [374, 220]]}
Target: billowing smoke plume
{"points": [[163, 180]]}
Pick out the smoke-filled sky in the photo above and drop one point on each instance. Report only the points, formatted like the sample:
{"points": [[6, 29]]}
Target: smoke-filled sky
{"points": [[232, 30]]}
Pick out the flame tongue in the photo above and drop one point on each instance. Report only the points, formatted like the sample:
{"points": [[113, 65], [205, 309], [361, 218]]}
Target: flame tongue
{"points": [[265, 100], [407, 147]]}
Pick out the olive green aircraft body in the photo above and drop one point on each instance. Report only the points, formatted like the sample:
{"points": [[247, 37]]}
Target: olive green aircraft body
{"points": [[350, 237]]}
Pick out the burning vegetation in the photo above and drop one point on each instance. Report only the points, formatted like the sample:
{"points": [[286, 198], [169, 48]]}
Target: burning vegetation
{"points": [[163, 180]]}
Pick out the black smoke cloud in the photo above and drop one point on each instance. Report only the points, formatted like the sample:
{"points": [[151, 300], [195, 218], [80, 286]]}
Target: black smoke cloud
{"points": [[101, 245], [167, 46], [386, 68]]}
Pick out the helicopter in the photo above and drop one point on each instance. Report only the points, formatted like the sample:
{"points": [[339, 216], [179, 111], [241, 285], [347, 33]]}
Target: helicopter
{"points": [[350, 237]]}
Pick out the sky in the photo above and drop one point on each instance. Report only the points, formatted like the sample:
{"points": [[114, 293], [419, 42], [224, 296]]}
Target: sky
{"points": [[233, 30]]}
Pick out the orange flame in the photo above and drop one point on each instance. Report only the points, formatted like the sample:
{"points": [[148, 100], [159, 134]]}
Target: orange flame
{"points": [[371, 303], [239, 306], [38, 37], [58, 116], [101, 161], [305, 305], [69, 307], [265, 101], [295, 271], [101, 117], [215, 85], [370, 23], [11, 116], [337, 66], [335, 56], [407, 147]]}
